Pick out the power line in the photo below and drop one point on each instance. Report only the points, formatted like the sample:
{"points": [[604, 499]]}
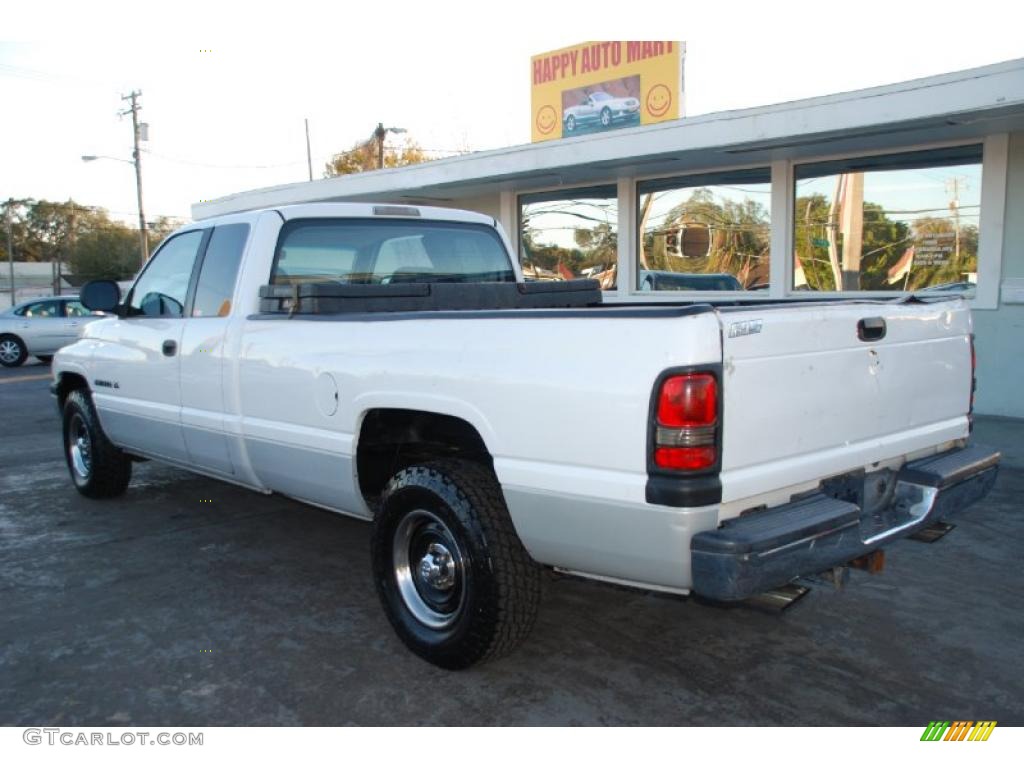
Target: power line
{"points": [[83, 208], [394, 148], [38, 75], [293, 163], [183, 161]]}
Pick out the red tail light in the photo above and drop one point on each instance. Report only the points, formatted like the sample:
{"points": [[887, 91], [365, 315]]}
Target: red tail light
{"points": [[700, 457], [686, 427], [689, 400]]}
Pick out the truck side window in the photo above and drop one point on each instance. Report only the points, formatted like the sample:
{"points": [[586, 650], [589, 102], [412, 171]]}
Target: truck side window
{"points": [[379, 251], [219, 271], [161, 289]]}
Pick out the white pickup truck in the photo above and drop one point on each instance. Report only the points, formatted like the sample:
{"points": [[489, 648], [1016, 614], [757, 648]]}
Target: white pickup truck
{"points": [[388, 362]]}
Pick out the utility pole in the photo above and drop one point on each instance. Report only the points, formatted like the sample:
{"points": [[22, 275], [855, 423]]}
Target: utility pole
{"points": [[852, 228], [133, 97], [953, 188], [833, 232], [380, 133], [10, 246], [68, 245], [309, 154]]}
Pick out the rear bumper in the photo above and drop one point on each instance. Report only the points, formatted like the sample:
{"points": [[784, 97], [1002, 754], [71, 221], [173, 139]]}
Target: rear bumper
{"points": [[767, 549]]}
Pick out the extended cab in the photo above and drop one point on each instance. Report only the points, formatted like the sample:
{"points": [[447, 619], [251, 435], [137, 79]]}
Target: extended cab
{"points": [[389, 363]]}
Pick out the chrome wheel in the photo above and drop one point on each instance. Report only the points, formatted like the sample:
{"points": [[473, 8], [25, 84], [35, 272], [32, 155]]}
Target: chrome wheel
{"points": [[429, 569], [571, 123], [606, 117], [79, 447], [10, 351]]}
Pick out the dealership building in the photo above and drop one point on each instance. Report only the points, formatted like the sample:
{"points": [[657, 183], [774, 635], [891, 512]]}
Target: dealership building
{"points": [[915, 186]]}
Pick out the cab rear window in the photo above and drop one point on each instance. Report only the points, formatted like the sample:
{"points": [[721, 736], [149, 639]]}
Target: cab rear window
{"points": [[376, 252]]}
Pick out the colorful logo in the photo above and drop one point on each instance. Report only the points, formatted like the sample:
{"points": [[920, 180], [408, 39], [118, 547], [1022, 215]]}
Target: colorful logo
{"points": [[547, 119], [959, 730], [659, 99]]}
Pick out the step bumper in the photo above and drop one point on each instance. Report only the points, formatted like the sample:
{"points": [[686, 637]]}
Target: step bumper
{"points": [[763, 550]]}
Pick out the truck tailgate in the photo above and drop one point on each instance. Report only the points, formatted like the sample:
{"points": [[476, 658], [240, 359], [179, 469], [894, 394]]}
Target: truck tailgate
{"points": [[808, 394]]}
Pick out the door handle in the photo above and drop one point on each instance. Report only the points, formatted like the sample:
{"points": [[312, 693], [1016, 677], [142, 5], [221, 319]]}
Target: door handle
{"points": [[170, 348], [871, 328]]}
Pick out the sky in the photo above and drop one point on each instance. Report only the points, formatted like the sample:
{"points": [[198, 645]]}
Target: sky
{"points": [[226, 87]]}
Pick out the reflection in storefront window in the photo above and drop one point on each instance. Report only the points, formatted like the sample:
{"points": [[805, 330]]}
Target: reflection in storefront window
{"points": [[570, 234], [709, 233], [907, 223]]}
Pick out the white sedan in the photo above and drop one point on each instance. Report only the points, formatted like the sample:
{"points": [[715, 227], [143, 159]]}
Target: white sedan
{"points": [[600, 107], [40, 327]]}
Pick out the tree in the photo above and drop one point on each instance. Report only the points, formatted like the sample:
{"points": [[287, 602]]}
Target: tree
{"points": [[363, 157], [109, 252], [885, 241], [54, 227], [810, 241], [158, 230], [18, 211], [737, 236], [84, 239], [593, 234], [961, 257]]}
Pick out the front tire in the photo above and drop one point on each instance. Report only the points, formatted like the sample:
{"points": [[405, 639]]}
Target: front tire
{"points": [[606, 117], [99, 469], [570, 124], [454, 580], [12, 351]]}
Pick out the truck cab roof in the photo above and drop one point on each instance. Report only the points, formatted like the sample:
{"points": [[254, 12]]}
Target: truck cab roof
{"points": [[351, 210]]}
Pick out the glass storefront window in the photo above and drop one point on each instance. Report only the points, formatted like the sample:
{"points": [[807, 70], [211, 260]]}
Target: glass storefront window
{"points": [[704, 233], [894, 223], [570, 234]]}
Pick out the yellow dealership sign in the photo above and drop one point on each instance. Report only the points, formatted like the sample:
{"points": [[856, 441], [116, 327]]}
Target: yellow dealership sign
{"points": [[598, 86]]}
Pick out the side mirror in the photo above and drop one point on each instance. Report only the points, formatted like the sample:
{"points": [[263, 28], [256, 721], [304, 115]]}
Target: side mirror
{"points": [[100, 295]]}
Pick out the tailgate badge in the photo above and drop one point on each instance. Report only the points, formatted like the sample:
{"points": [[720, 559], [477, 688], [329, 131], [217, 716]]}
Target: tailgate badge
{"points": [[744, 328]]}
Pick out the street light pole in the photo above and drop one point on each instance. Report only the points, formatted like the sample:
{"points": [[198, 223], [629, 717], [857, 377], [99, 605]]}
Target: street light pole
{"points": [[137, 162], [379, 133], [10, 246], [309, 154]]}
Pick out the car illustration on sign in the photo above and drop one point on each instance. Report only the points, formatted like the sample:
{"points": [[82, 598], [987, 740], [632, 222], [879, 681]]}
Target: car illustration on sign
{"points": [[599, 107]]}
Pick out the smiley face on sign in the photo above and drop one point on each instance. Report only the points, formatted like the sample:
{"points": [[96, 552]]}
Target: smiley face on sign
{"points": [[659, 99], [546, 119]]}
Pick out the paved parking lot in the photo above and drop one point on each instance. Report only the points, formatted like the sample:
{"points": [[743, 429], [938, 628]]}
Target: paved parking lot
{"points": [[190, 602]]}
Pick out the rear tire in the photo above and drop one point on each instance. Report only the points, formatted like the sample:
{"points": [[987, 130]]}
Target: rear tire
{"points": [[99, 469], [454, 580], [12, 351]]}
